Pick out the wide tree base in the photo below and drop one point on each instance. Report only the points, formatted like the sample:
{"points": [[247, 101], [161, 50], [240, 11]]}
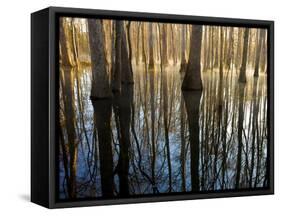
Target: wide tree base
{"points": [[192, 84], [183, 67], [93, 98]]}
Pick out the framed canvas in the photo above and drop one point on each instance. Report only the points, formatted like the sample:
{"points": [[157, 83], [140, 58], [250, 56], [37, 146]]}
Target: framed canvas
{"points": [[139, 107]]}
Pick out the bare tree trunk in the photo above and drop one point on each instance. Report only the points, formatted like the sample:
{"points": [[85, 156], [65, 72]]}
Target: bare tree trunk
{"points": [[164, 60], [138, 44], [205, 47], [216, 63], [221, 52], [183, 48], [263, 60], [74, 42], [258, 52], [100, 81], [65, 58], [242, 75], [151, 57], [221, 74], [192, 79], [230, 49], [116, 76], [126, 67], [238, 51]]}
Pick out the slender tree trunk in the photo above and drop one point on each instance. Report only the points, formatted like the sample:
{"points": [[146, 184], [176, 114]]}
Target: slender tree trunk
{"points": [[138, 44], [221, 74], [242, 75], [183, 48], [263, 60], [126, 67], [151, 57], [116, 76], [65, 58], [216, 63], [230, 49], [164, 60], [74, 42], [221, 53], [238, 51], [258, 52]]}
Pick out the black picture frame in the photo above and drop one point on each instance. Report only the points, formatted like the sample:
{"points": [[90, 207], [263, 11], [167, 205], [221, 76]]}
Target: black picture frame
{"points": [[44, 117]]}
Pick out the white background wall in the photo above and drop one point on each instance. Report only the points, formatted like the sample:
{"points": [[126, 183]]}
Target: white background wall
{"points": [[15, 106]]}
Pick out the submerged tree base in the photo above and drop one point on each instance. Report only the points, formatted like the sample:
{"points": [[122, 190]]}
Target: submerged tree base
{"points": [[191, 84], [127, 82], [183, 67], [93, 98]]}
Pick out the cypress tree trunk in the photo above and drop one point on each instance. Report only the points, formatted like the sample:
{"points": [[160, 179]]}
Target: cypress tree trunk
{"points": [[126, 69], [100, 82], [192, 79]]}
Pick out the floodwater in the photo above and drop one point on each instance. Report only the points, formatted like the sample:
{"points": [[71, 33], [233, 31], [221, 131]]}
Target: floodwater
{"points": [[152, 138]]}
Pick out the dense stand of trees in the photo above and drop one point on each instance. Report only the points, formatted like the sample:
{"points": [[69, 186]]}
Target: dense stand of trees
{"points": [[155, 108], [222, 47]]}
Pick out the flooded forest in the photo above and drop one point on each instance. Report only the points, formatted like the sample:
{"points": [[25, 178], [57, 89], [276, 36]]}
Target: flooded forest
{"points": [[150, 109]]}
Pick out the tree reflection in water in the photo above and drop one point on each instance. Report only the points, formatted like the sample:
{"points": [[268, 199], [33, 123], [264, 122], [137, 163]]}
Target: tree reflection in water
{"points": [[118, 147]]}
